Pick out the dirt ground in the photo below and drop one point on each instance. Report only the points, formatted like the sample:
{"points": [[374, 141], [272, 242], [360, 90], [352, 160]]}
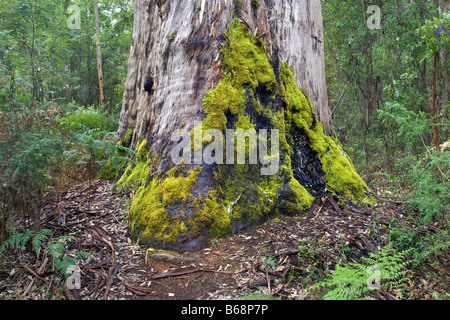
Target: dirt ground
{"points": [[278, 259]]}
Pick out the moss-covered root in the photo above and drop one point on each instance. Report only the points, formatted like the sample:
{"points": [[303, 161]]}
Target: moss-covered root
{"points": [[341, 175]]}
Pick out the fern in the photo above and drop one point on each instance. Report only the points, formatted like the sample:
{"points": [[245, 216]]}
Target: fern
{"points": [[17, 241], [347, 282], [352, 280], [57, 248], [40, 238], [392, 265], [81, 255], [57, 251]]}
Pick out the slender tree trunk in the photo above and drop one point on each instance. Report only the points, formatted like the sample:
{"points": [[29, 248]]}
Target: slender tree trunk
{"points": [[89, 78], [435, 101], [101, 85], [445, 7], [33, 44]]}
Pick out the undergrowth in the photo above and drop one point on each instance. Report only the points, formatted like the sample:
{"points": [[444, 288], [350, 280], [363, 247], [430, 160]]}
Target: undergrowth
{"points": [[385, 269], [55, 247]]}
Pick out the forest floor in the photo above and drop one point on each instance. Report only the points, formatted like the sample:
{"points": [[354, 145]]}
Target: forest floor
{"points": [[279, 259]]}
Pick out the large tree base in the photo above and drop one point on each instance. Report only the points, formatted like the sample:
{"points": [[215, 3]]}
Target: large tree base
{"points": [[193, 203]]}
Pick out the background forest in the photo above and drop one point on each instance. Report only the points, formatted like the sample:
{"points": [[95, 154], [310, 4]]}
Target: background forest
{"points": [[388, 90]]}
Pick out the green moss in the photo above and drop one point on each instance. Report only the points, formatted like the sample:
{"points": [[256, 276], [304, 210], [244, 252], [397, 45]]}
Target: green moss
{"points": [[278, 122], [212, 213], [224, 99], [304, 199], [126, 142], [108, 172], [258, 194], [135, 174], [341, 175], [246, 59], [148, 210], [142, 151], [172, 36]]}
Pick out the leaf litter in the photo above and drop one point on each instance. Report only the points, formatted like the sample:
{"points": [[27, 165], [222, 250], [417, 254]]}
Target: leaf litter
{"points": [[280, 257]]}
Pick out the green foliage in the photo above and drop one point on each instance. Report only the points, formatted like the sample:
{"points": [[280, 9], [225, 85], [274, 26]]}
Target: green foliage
{"points": [[17, 241], [61, 261], [393, 60], [430, 181], [355, 280], [38, 50], [90, 119], [27, 152], [91, 142], [435, 35], [39, 238], [56, 249]]}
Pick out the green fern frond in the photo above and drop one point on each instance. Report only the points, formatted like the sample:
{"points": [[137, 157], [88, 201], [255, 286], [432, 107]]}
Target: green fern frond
{"points": [[351, 281], [26, 236], [81, 255], [40, 238], [56, 250]]}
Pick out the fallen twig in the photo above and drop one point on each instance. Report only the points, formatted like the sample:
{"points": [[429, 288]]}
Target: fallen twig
{"points": [[41, 268], [172, 258], [34, 273], [139, 290], [180, 272], [335, 205]]}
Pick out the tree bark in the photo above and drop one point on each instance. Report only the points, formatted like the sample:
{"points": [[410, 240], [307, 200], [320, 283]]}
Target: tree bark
{"points": [[445, 7], [435, 101], [181, 58], [101, 84], [295, 27]]}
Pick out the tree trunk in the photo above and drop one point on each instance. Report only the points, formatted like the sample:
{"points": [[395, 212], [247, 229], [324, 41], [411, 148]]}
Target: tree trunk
{"points": [[435, 102], [101, 85], [445, 7], [32, 55], [255, 66]]}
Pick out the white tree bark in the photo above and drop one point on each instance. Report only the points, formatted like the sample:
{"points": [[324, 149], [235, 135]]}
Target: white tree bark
{"points": [[187, 67]]}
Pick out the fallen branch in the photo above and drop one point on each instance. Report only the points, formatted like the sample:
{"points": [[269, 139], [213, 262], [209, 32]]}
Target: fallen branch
{"points": [[34, 273], [40, 270], [368, 244], [172, 258], [180, 272], [335, 205], [139, 290]]}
